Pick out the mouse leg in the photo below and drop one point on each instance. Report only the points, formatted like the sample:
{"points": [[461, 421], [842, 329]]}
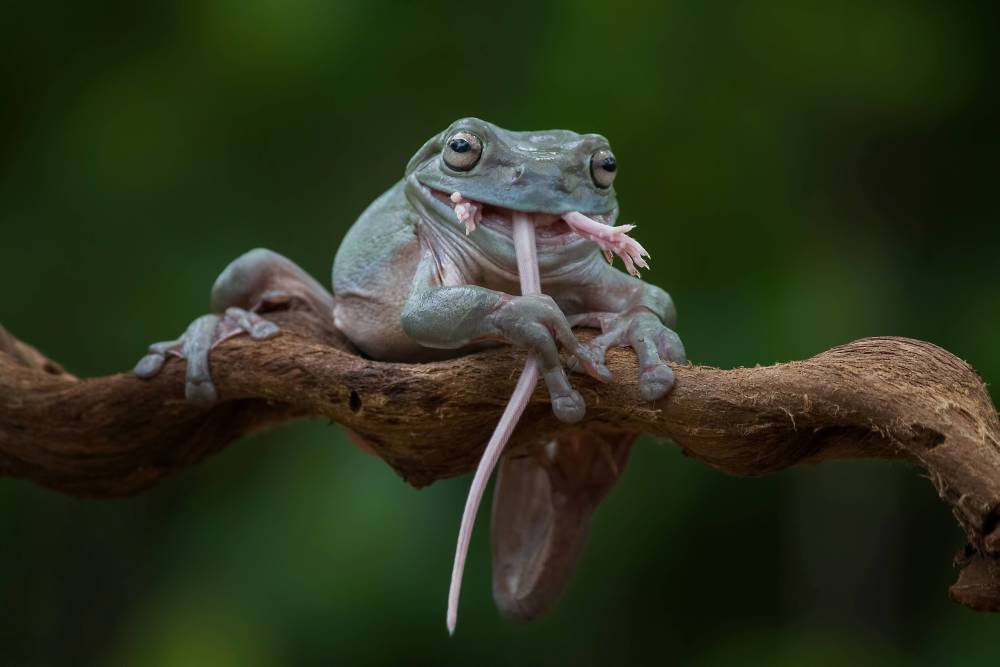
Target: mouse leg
{"points": [[253, 282]]}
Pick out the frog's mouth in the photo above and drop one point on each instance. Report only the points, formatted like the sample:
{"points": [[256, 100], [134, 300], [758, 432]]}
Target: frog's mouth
{"points": [[550, 228]]}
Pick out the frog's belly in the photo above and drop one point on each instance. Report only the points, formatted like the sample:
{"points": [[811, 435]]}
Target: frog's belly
{"points": [[369, 314], [376, 329], [369, 303]]}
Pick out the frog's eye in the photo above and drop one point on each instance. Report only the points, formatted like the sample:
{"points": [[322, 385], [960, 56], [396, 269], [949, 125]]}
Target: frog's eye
{"points": [[603, 168], [462, 151]]}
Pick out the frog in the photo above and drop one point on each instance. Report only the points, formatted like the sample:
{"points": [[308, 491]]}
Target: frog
{"points": [[429, 272]]}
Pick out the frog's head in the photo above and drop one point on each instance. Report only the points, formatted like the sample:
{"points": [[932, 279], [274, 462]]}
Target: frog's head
{"points": [[548, 173]]}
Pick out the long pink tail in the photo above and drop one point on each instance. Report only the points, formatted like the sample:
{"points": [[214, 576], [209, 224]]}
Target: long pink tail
{"points": [[527, 267], [511, 415]]}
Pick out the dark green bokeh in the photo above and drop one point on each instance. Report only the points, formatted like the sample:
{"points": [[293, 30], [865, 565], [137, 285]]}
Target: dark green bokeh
{"points": [[803, 173]]}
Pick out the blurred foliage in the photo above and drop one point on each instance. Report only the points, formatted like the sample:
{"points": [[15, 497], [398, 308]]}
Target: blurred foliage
{"points": [[804, 173]]}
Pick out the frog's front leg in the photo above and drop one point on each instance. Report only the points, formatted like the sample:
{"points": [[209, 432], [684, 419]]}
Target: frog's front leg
{"points": [[631, 313], [453, 317], [254, 281]]}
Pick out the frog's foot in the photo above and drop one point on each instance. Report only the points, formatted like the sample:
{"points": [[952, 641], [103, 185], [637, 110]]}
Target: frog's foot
{"points": [[535, 322], [257, 281], [200, 338], [652, 341]]}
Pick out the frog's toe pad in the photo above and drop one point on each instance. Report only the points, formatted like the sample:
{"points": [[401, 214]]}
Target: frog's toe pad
{"points": [[264, 330], [201, 393], [569, 408], [671, 347], [655, 382], [149, 365]]}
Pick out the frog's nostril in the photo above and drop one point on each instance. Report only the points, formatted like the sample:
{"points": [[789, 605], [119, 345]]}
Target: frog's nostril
{"points": [[517, 173]]}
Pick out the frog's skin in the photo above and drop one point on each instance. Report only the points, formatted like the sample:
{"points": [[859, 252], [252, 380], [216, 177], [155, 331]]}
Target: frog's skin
{"points": [[412, 285]]}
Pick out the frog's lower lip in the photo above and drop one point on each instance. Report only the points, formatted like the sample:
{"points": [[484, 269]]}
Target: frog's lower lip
{"points": [[550, 228]]}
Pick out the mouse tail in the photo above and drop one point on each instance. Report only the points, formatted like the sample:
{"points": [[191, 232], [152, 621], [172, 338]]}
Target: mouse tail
{"points": [[494, 448]]}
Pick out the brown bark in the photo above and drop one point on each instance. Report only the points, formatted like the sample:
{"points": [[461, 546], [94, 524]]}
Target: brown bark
{"points": [[873, 398]]}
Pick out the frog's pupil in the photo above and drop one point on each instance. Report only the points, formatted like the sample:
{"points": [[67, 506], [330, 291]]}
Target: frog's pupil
{"points": [[609, 164], [460, 145]]}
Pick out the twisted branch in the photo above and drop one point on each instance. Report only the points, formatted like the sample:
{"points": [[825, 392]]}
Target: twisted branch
{"points": [[874, 398]]}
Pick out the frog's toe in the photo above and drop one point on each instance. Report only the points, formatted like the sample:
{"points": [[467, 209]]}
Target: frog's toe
{"points": [[569, 408], [199, 339], [589, 358], [594, 365], [567, 403], [653, 343], [655, 382], [156, 356], [670, 347], [149, 365], [238, 320], [201, 393], [264, 330]]}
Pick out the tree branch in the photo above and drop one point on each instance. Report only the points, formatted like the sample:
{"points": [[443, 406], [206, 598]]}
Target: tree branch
{"points": [[874, 398]]}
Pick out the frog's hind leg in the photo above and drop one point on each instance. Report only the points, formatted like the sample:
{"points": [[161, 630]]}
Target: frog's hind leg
{"points": [[261, 277], [542, 506], [256, 281]]}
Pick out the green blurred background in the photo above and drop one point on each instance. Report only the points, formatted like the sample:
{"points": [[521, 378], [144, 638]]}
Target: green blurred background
{"points": [[804, 174]]}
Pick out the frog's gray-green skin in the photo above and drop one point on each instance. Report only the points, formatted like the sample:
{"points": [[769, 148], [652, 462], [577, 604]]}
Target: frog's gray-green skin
{"points": [[411, 285]]}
